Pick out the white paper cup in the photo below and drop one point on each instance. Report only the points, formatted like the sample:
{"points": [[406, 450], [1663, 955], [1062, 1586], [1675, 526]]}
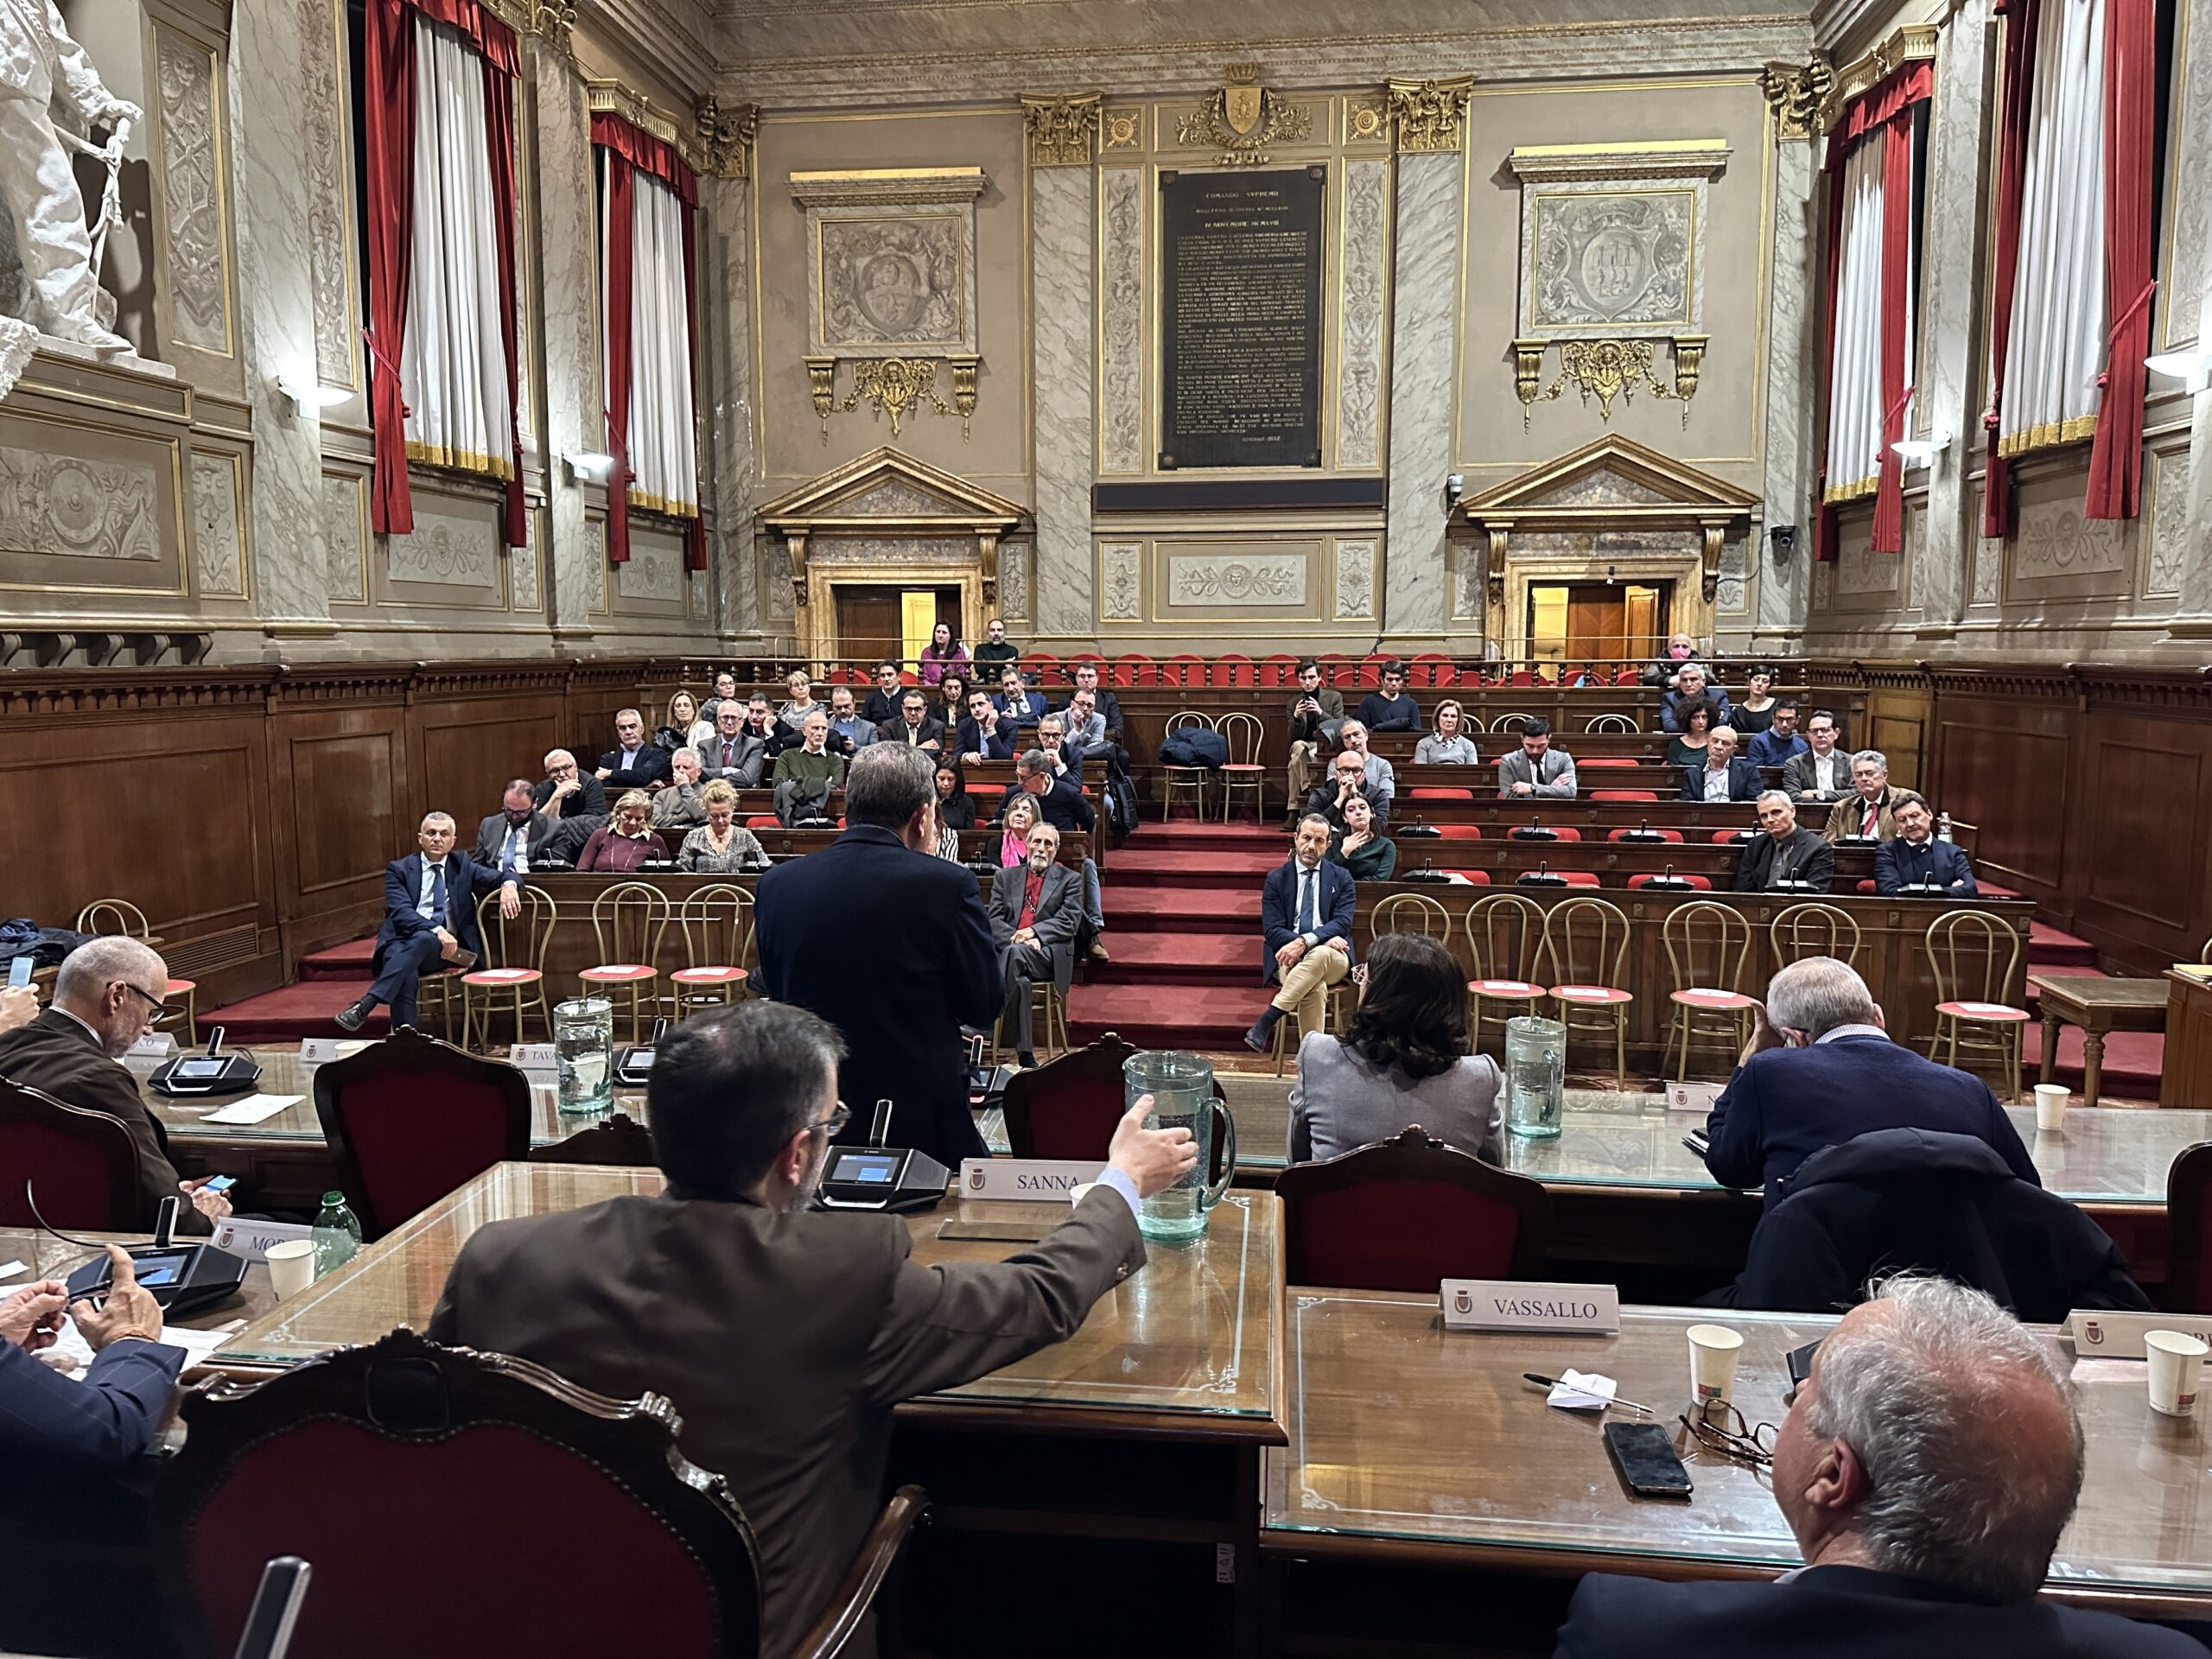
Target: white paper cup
{"points": [[2176, 1359], [291, 1266], [1715, 1350], [2051, 1107]]}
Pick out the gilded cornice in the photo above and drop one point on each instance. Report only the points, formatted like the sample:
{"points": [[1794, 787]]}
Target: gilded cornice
{"points": [[1797, 93], [725, 137], [1431, 115], [1913, 42], [1062, 129], [908, 187], [613, 98], [1642, 158], [552, 21]]}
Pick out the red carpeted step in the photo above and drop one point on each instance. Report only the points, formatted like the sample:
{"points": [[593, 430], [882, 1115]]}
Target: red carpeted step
{"points": [[1183, 910], [2048, 947], [1165, 1016], [308, 1009], [1173, 868], [2134, 1060], [347, 961], [1212, 838], [1189, 958]]}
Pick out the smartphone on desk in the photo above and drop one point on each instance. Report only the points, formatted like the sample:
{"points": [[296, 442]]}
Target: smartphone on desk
{"points": [[1646, 1461]]}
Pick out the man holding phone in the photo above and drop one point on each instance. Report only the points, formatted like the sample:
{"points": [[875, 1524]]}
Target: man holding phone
{"points": [[108, 994], [1312, 706], [19, 1002]]}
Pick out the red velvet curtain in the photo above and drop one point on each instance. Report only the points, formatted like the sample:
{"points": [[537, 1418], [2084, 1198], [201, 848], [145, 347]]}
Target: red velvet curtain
{"points": [[2022, 19], [621, 186], [2131, 94], [499, 143], [388, 119]]}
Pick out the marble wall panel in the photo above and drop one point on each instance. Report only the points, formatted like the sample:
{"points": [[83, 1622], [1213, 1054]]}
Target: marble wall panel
{"points": [[451, 546], [1120, 582], [346, 532], [727, 275], [1274, 580], [1355, 580], [1014, 585], [574, 568], [327, 162], [1360, 344], [1061, 255], [218, 533], [2188, 203], [654, 571], [522, 567], [2169, 496], [78, 507], [1120, 311], [1781, 590], [1424, 325], [192, 192]]}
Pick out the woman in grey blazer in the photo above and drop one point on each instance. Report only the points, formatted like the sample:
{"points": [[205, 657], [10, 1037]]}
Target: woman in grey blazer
{"points": [[1404, 1061]]}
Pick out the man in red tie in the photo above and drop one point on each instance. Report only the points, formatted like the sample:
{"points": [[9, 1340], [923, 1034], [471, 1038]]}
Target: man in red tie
{"points": [[1867, 811], [1036, 912]]}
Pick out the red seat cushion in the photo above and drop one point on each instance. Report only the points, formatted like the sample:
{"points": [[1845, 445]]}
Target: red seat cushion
{"points": [[1505, 988], [1559, 831], [1603, 761], [1706, 997], [708, 975], [1460, 831], [502, 977], [618, 970], [1604, 993], [764, 820], [1622, 835], [67, 1175], [1406, 1235], [1075, 1120], [1473, 878], [1998, 1013], [1429, 794], [1698, 881], [417, 1136], [1622, 795], [1578, 878]]}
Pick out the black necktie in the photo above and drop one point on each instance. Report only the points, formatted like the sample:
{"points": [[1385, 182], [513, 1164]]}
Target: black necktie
{"points": [[438, 893]]}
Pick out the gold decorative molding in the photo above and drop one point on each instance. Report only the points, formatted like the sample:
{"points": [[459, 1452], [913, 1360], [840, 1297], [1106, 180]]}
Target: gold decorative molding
{"points": [[901, 187], [1124, 129], [1797, 93], [1912, 42], [552, 21], [1431, 115], [613, 98], [1606, 369], [1367, 119], [895, 386], [1062, 130], [1242, 119], [725, 137]]}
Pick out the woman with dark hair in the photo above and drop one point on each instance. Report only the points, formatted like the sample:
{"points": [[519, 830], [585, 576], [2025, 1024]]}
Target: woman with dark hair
{"points": [[1405, 1061], [1754, 711], [953, 688], [1360, 847], [942, 651], [1686, 747], [954, 811]]}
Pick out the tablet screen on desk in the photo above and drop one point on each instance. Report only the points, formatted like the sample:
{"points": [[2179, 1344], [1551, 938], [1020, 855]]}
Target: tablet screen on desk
{"points": [[198, 1070], [160, 1272], [875, 1168]]}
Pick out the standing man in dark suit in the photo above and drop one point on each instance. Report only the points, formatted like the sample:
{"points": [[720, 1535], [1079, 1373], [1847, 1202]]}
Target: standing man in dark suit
{"points": [[106, 996], [1305, 911], [1916, 858], [1726, 776], [1036, 915], [1784, 853], [430, 916], [1819, 1069], [510, 838], [1926, 1469], [636, 761], [783, 1337], [923, 922]]}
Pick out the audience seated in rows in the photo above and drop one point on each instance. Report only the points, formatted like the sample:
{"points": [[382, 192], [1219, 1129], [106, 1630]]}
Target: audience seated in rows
{"points": [[1449, 744], [1537, 769], [1018, 816], [915, 727], [685, 729], [1780, 743], [1360, 846], [951, 705], [430, 917], [801, 703], [1784, 852], [566, 793], [1756, 712], [1915, 857], [850, 730], [1723, 775], [1103, 699], [805, 777], [1822, 772], [995, 650], [1313, 707], [725, 690], [1016, 701], [1405, 1060], [1687, 748], [1389, 709], [1306, 916], [942, 651], [744, 1102], [1680, 649], [677, 809], [1064, 763], [1348, 783], [1926, 1468], [1352, 736], [883, 703], [635, 761], [626, 843], [1059, 802], [1690, 685], [510, 839], [721, 845], [1036, 914], [1866, 810], [984, 734]]}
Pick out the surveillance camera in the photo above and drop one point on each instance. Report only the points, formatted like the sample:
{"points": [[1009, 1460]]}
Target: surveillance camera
{"points": [[1783, 538], [1455, 486]]}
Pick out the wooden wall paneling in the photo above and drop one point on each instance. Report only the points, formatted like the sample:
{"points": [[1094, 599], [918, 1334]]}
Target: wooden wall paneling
{"points": [[340, 793], [597, 690], [470, 747], [2008, 766], [2138, 836]]}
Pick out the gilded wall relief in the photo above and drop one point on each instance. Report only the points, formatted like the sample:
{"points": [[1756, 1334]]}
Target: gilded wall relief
{"points": [[217, 540], [191, 170], [1609, 261], [77, 509], [1227, 580]]}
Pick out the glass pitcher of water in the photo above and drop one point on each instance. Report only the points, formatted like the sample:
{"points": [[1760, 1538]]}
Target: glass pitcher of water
{"points": [[583, 1037], [1535, 1076], [1181, 1087]]}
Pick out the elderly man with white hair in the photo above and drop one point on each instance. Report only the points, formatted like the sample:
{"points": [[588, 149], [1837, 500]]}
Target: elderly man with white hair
{"points": [[108, 994], [1819, 1069], [1868, 809], [677, 809], [1926, 1469], [1690, 685], [567, 792]]}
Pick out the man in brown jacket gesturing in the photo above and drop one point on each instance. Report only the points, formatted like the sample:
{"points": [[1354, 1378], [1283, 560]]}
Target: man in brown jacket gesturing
{"points": [[784, 1336]]}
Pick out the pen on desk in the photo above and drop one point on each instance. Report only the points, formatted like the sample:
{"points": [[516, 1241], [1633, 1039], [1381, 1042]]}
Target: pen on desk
{"points": [[1554, 1383]]}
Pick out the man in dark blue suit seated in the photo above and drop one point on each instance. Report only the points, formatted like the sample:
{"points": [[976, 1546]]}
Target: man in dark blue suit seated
{"points": [[1913, 857], [430, 916], [1305, 911], [636, 761], [73, 1519], [1819, 1069], [1926, 1469], [1725, 776], [1016, 700], [919, 920]]}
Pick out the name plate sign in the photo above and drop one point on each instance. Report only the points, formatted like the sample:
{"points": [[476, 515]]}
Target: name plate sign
{"points": [[155, 1046], [1028, 1180], [2101, 1333], [253, 1239], [535, 1057], [1517, 1305], [1692, 1097]]}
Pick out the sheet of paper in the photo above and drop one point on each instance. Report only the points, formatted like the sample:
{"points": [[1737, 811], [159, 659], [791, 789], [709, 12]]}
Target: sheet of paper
{"points": [[1581, 1391], [253, 1109], [71, 1354], [10, 1269]]}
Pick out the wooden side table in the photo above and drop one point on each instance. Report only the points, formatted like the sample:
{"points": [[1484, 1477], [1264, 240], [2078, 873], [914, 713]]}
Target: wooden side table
{"points": [[2097, 1006]]}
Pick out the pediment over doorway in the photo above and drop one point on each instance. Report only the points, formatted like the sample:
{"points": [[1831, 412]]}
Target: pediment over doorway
{"points": [[1613, 476], [887, 491]]}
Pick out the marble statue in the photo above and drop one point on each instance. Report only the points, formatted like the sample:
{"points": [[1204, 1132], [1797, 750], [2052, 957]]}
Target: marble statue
{"points": [[43, 71]]}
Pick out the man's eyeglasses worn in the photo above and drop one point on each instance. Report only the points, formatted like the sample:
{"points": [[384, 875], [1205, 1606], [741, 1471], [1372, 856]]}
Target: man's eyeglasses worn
{"points": [[153, 1001], [835, 1124]]}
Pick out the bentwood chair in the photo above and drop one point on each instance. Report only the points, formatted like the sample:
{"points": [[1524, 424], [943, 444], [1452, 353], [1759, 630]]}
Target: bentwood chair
{"points": [[511, 976], [628, 922], [1813, 929], [1707, 944], [1585, 955], [1974, 957], [81, 1167], [1505, 942], [2188, 1219], [451, 1457], [717, 926], [107, 917], [1510, 723], [1612, 723], [1190, 777], [1411, 912], [1242, 771], [1404, 1213]]}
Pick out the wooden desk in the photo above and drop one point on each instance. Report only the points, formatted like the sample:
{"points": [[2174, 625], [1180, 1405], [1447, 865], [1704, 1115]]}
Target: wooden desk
{"points": [[1484, 1475], [2097, 1006], [44, 1257], [2186, 1079], [1148, 1424]]}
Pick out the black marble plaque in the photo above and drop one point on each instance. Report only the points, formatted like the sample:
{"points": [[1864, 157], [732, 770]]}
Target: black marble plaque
{"points": [[1241, 319]]}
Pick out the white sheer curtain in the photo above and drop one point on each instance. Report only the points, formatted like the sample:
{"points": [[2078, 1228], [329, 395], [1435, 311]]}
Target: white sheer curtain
{"points": [[452, 360], [664, 453], [1855, 386], [2057, 344]]}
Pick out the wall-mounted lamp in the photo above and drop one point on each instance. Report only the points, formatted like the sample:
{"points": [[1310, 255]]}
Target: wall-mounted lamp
{"points": [[1783, 538], [1919, 452], [588, 466], [2193, 367], [311, 397]]}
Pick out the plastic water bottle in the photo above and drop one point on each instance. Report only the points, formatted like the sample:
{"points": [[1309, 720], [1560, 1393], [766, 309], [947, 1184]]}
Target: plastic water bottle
{"points": [[1943, 827], [337, 1234]]}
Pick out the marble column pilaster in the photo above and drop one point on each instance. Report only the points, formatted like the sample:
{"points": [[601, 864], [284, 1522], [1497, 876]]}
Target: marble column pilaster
{"points": [[732, 467], [568, 246], [1781, 590], [1063, 206], [276, 302], [1424, 321], [2193, 618]]}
